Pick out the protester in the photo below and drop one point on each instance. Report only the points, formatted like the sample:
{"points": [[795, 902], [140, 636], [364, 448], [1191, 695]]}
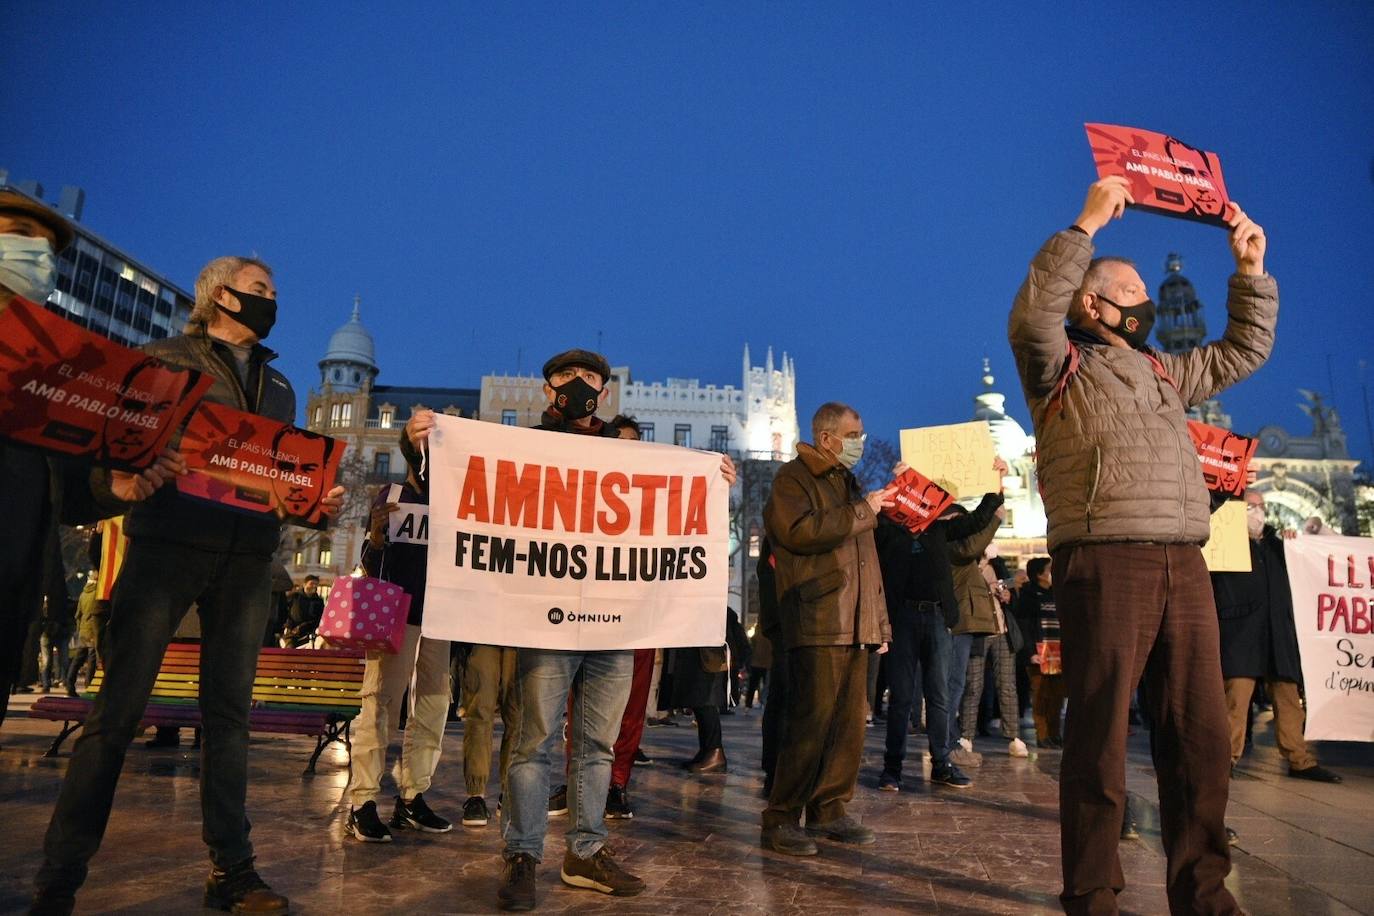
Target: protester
{"points": [[488, 687], [1259, 642], [1127, 511], [183, 550], [38, 491], [696, 679], [575, 385], [1035, 606], [760, 660], [770, 625], [88, 625], [832, 610], [421, 666], [303, 614], [981, 614]]}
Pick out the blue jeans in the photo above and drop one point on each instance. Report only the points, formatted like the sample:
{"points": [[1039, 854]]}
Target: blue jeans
{"points": [[600, 682], [959, 648], [920, 647]]}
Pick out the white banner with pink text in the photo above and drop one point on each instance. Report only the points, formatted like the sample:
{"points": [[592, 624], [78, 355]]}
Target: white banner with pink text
{"points": [[1332, 579], [560, 541]]}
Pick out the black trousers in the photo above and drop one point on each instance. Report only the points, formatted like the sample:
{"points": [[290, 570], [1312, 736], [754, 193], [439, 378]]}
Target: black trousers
{"points": [[158, 583], [774, 712], [708, 729]]}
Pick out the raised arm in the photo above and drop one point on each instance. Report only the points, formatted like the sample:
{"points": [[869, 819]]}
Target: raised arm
{"points": [[1252, 312]]}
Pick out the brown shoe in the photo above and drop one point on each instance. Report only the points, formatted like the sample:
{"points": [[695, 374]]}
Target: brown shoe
{"points": [[713, 762], [601, 873], [238, 889]]}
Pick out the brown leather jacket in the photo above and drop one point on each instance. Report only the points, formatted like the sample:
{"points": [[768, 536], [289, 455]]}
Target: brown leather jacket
{"points": [[829, 586], [1115, 460]]}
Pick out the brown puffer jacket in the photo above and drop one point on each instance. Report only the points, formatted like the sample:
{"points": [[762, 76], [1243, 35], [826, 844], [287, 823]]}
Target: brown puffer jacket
{"points": [[829, 586], [978, 611], [1114, 457]]}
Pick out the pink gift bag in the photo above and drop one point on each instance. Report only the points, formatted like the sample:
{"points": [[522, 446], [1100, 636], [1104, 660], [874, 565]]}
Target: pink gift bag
{"points": [[365, 613]]}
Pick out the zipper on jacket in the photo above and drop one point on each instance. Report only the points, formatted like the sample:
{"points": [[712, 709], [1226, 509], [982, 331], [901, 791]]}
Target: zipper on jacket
{"points": [[1092, 486]]}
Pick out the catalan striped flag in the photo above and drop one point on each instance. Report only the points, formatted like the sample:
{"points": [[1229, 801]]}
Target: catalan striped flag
{"points": [[114, 543]]}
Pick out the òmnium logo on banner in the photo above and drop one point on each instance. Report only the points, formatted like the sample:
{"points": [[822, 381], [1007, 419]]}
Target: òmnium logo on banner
{"points": [[545, 540]]}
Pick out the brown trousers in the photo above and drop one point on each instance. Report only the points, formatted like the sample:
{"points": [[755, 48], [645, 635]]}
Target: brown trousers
{"points": [[1125, 609], [488, 688], [818, 762], [1047, 701], [1289, 718]]}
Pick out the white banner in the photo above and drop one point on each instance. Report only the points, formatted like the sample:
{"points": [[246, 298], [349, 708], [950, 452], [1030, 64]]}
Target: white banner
{"points": [[1332, 579], [409, 523], [557, 541]]}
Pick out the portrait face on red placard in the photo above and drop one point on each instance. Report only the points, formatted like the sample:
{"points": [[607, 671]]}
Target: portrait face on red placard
{"points": [[300, 456], [146, 407], [1192, 162]]}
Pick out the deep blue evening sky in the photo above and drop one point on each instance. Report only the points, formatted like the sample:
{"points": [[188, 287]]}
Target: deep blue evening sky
{"points": [[860, 185]]}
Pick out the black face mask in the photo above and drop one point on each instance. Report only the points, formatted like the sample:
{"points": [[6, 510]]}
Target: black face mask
{"points": [[1136, 321], [256, 313], [575, 398]]}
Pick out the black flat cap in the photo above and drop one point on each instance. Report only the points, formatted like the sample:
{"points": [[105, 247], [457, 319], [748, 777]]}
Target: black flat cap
{"points": [[577, 357]]}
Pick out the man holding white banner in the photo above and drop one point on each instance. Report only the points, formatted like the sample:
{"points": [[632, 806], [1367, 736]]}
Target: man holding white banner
{"points": [[1259, 642], [577, 553]]}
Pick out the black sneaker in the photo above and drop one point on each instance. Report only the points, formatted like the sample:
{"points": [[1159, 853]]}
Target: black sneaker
{"points": [[475, 812], [239, 889], [950, 775], [601, 873], [642, 758], [517, 884], [558, 802], [1316, 774], [364, 824], [618, 804], [889, 782], [418, 816], [788, 839]]}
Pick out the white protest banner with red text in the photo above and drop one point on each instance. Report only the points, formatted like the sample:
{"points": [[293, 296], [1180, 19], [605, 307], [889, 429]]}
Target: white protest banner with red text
{"points": [[1332, 578], [558, 541]]}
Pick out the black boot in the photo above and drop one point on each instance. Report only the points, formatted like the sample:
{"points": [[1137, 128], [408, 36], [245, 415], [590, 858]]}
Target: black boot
{"points": [[238, 889]]}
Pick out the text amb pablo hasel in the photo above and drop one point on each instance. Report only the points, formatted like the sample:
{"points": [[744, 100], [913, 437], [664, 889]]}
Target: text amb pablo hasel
{"points": [[573, 500]]}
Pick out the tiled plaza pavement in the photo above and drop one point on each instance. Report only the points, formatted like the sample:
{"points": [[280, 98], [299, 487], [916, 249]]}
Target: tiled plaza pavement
{"points": [[1305, 848]]}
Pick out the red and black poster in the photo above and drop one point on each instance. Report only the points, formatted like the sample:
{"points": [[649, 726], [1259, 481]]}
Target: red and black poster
{"points": [[254, 464], [1225, 457], [69, 390], [918, 501], [1167, 175]]}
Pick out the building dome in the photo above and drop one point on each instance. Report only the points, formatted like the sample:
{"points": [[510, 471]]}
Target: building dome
{"points": [[1009, 437], [350, 359], [352, 343]]}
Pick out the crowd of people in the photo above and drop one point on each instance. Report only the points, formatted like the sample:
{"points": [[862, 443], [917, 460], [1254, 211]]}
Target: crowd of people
{"points": [[861, 621]]}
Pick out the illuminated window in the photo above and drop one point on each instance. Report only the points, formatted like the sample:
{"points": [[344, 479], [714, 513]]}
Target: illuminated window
{"points": [[326, 552]]}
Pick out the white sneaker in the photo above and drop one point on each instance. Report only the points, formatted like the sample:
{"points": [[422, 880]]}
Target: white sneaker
{"points": [[966, 744], [1017, 748]]}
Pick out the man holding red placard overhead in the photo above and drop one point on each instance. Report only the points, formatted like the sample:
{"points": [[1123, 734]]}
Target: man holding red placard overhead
{"points": [[1128, 513]]}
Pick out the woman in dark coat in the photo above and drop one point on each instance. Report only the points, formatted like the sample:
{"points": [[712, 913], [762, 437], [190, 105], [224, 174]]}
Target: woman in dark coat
{"points": [[696, 679]]}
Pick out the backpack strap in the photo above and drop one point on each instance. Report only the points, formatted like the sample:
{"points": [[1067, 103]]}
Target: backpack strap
{"points": [[1071, 364]]}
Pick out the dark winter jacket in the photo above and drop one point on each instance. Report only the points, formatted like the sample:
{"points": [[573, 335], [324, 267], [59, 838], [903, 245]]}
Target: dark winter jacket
{"points": [[167, 515], [1255, 611], [918, 569], [698, 677]]}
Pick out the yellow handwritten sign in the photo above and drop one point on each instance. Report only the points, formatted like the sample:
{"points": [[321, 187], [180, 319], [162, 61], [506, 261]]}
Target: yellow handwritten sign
{"points": [[958, 457], [1228, 548]]}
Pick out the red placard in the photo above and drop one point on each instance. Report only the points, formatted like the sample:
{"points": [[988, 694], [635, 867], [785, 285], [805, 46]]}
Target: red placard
{"points": [[68, 390], [1225, 457], [918, 501], [1167, 175], [1051, 656], [254, 464]]}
